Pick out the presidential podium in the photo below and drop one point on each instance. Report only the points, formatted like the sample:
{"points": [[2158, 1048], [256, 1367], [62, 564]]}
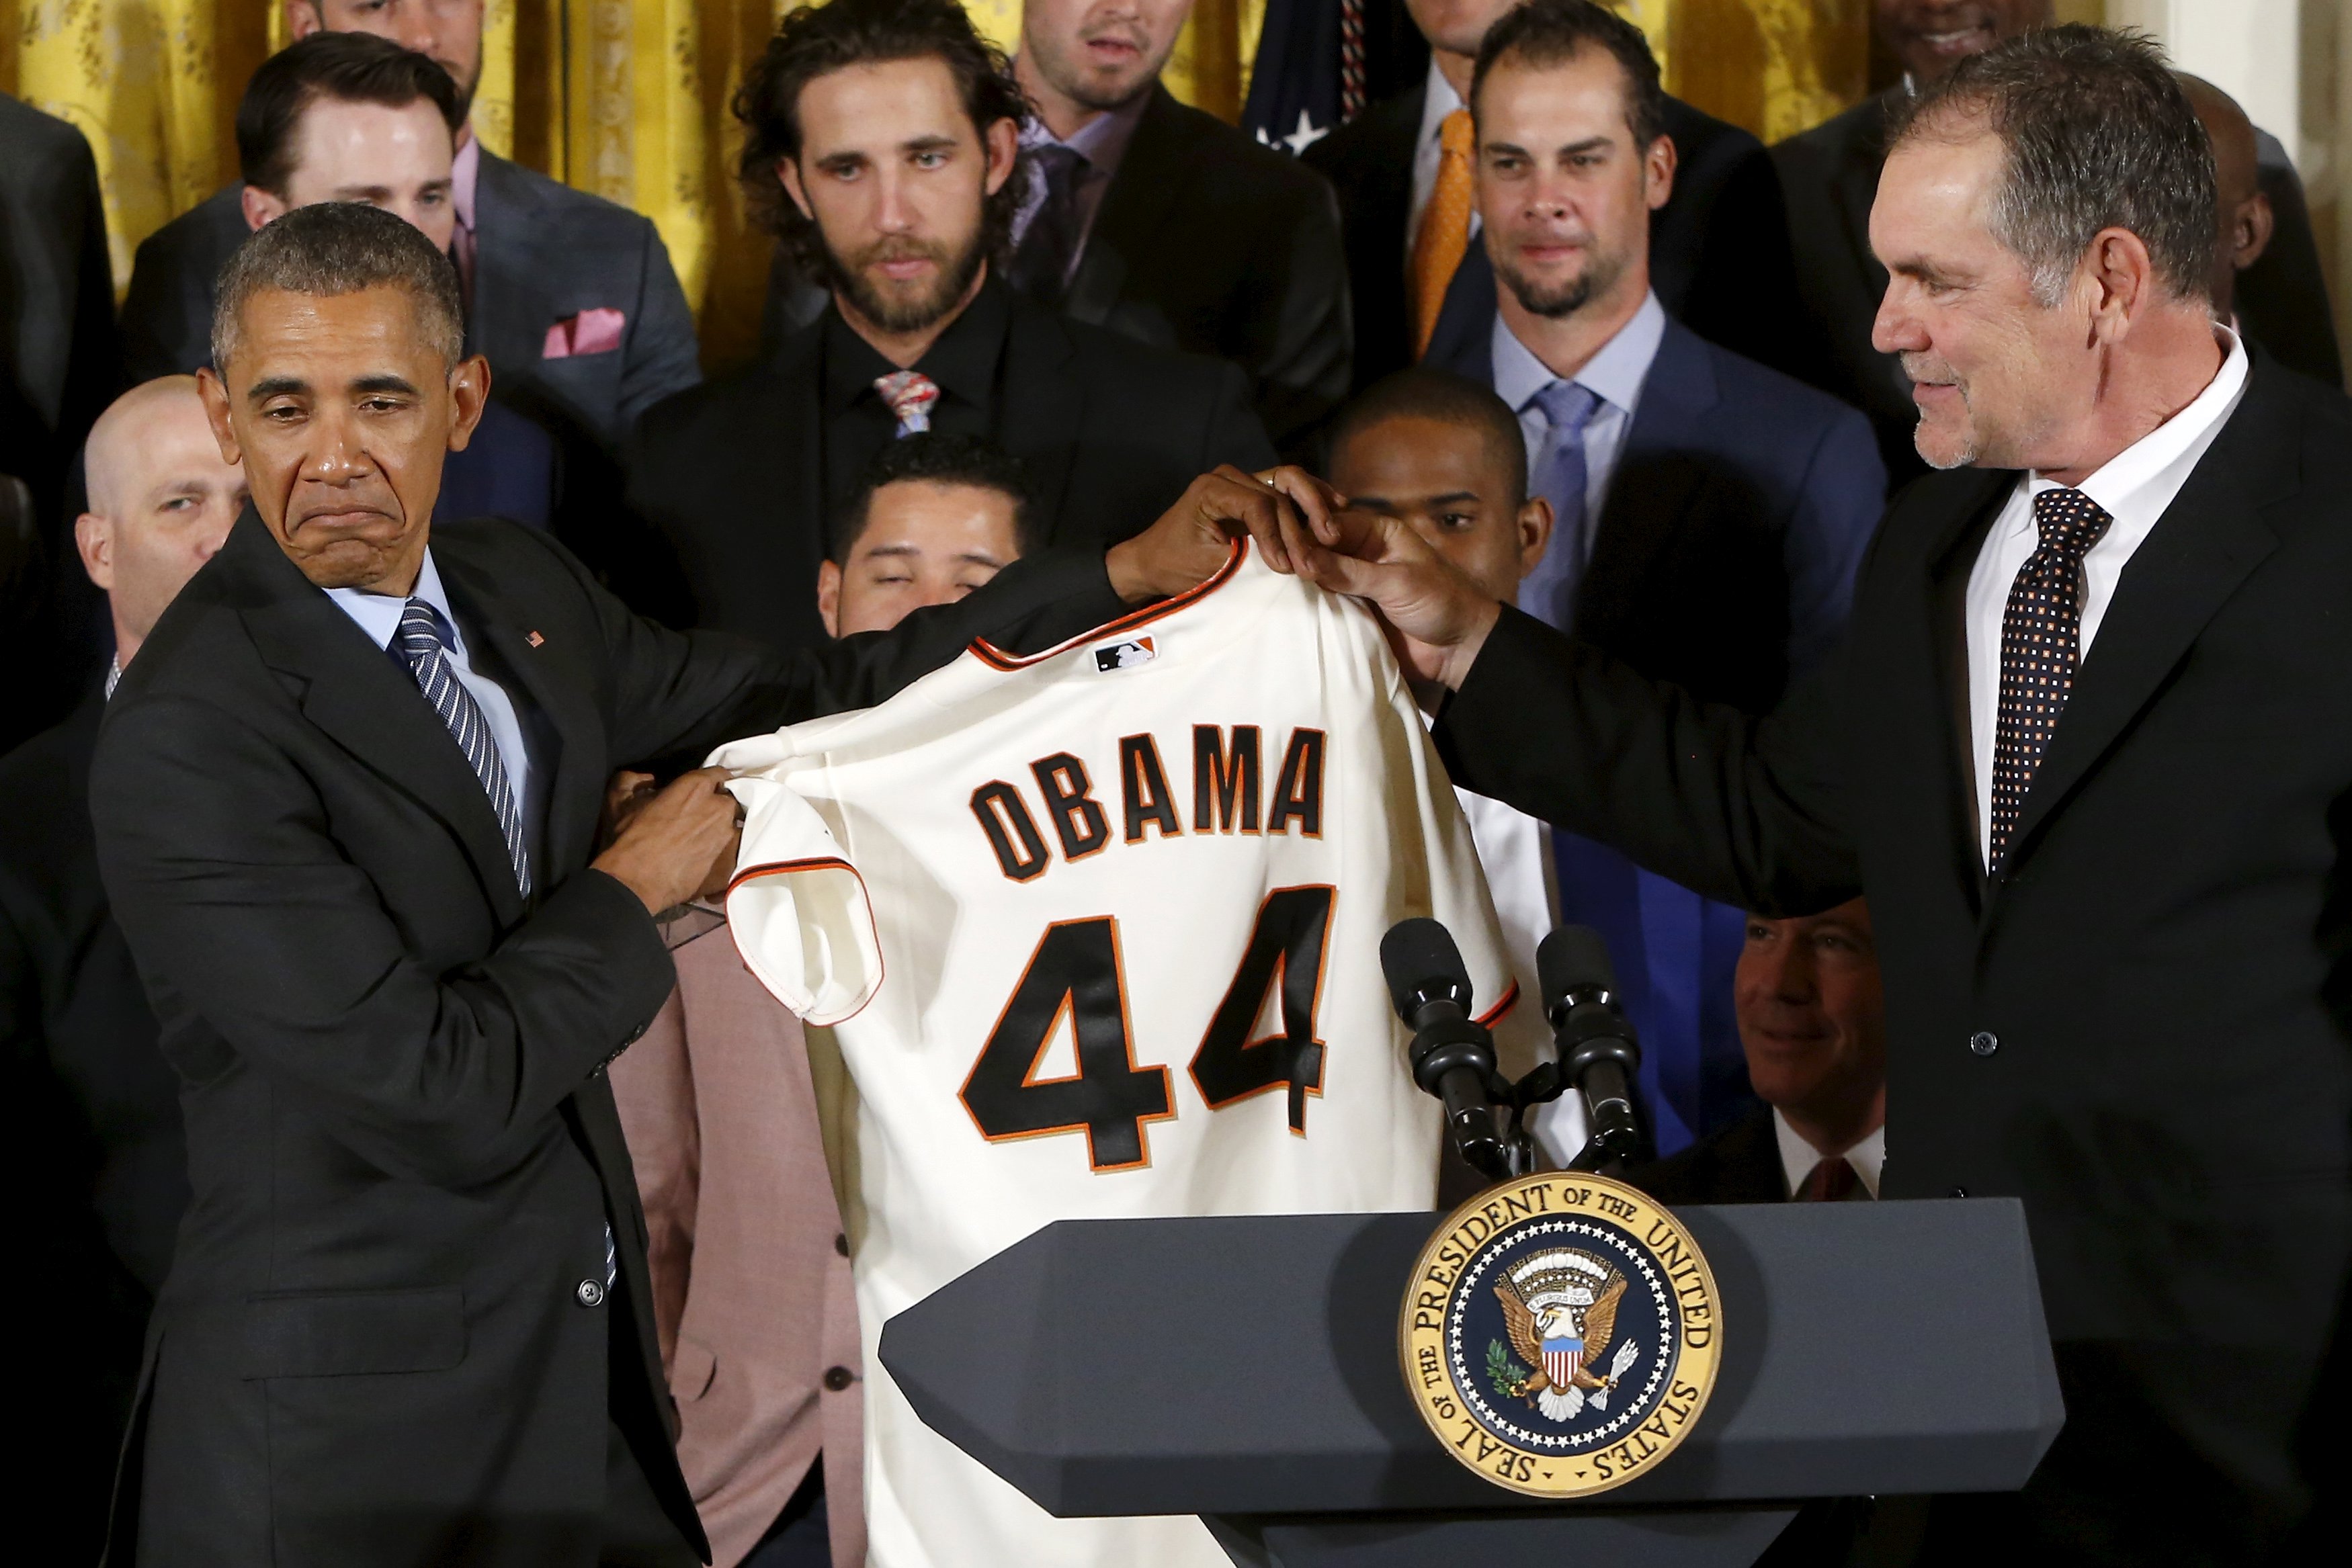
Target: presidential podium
{"points": [[1245, 1370]]}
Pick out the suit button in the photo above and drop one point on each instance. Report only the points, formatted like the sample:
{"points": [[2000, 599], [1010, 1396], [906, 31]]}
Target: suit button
{"points": [[589, 1293], [838, 1378], [841, 1245], [1959, 1192], [1984, 1042]]}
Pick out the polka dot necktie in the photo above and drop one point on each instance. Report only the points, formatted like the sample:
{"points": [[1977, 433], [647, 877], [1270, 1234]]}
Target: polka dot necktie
{"points": [[910, 395], [2041, 645]]}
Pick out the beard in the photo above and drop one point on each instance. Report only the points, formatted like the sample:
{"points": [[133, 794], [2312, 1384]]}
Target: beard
{"points": [[850, 277], [1954, 449], [1561, 299], [1070, 78]]}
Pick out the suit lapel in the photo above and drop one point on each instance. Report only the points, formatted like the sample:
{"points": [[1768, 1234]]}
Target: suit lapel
{"points": [[2204, 546], [362, 698], [795, 424], [502, 323], [1142, 194], [1043, 405], [1651, 492], [1952, 550], [575, 773]]}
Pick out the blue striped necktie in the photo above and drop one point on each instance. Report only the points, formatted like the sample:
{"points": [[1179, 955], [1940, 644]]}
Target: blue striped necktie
{"points": [[423, 645], [1549, 592]]}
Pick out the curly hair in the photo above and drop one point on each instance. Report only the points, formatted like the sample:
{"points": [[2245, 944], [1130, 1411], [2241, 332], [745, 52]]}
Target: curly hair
{"points": [[816, 40]]}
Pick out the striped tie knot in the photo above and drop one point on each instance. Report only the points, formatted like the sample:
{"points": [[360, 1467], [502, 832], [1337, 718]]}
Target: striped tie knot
{"points": [[910, 395]]}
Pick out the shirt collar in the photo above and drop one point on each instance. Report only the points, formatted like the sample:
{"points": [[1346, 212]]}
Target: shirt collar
{"points": [[2147, 461], [1438, 101], [1798, 1157], [378, 614], [465, 171], [1614, 375], [962, 360], [1101, 142]]}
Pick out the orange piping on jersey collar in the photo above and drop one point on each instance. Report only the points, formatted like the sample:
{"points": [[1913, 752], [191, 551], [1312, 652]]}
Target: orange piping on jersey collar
{"points": [[814, 863], [1503, 1004], [996, 658]]}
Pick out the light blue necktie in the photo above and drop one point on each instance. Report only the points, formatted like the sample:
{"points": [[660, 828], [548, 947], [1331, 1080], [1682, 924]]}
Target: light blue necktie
{"points": [[426, 649], [1549, 592]]}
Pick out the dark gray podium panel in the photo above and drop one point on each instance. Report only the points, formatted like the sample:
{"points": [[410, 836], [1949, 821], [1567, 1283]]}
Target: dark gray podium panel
{"points": [[1249, 1365], [1678, 1538]]}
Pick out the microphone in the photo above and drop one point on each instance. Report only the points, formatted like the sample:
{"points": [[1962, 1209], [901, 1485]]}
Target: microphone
{"points": [[1453, 1055], [1598, 1052]]}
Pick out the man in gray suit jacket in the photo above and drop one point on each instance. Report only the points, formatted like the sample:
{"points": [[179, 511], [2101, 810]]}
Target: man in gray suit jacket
{"points": [[570, 298]]}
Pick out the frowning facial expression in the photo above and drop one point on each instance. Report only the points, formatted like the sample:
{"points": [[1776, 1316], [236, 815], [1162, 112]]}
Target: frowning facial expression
{"points": [[341, 408]]}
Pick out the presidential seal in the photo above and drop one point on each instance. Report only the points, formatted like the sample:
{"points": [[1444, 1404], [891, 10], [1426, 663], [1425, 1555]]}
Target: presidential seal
{"points": [[1560, 1334]]}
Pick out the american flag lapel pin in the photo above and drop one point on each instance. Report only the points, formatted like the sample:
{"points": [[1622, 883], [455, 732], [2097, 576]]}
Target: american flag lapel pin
{"points": [[535, 640]]}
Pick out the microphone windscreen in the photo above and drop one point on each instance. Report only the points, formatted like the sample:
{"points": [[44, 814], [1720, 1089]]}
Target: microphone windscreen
{"points": [[1419, 957], [1574, 958]]}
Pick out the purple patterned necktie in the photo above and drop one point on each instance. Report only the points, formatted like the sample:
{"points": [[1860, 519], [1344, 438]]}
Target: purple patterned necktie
{"points": [[2041, 646]]}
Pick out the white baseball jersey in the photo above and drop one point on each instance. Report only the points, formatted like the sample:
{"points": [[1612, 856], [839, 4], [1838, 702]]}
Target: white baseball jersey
{"points": [[1096, 933]]}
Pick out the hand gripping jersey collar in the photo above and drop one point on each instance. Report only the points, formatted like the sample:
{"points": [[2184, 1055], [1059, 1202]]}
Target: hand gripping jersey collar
{"points": [[996, 658]]}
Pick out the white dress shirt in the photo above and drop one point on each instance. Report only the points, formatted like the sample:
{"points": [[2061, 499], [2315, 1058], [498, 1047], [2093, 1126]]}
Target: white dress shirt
{"points": [[1429, 152], [1798, 1157], [1614, 375], [378, 615], [2135, 487]]}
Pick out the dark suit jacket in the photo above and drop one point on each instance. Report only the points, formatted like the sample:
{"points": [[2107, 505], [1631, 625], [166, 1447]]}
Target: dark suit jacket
{"points": [[1112, 431], [1208, 243], [385, 1338], [1726, 553], [1741, 1163], [2177, 879], [1719, 256], [544, 253], [1829, 176], [60, 367], [95, 1156]]}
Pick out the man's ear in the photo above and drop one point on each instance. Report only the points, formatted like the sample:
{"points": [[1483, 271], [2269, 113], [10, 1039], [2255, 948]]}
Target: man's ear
{"points": [[302, 20], [789, 172], [1002, 142], [1658, 166], [2251, 235], [1535, 532], [828, 597], [469, 392], [2122, 277], [260, 207], [94, 539], [213, 395]]}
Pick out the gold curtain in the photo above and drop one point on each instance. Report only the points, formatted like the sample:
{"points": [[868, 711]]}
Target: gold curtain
{"points": [[628, 97]]}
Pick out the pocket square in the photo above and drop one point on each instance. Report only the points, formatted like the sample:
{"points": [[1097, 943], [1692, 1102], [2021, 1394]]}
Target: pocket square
{"points": [[596, 331]]}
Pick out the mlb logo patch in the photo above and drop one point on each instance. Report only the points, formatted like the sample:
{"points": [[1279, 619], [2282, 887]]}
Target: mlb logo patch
{"points": [[1125, 655]]}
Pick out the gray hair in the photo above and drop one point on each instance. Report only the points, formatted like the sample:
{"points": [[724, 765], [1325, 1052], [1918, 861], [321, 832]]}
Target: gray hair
{"points": [[341, 247], [2098, 136]]}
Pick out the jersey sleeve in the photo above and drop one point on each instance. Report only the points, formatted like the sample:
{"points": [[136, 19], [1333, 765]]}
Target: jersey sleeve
{"points": [[798, 908]]}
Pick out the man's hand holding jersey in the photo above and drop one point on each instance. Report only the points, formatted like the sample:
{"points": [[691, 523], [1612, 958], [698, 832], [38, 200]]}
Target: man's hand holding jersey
{"points": [[1437, 619]]}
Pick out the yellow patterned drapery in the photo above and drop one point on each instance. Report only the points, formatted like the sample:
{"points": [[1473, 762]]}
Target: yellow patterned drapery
{"points": [[628, 97]]}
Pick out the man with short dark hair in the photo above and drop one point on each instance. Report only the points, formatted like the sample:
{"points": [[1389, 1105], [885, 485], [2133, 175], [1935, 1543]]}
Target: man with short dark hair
{"points": [[1709, 512], [883, 144], [1829, 175], [346, 803], [1403, 171], [570, 297], [1812, 1019], [2086, 747], [935, 517]]}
